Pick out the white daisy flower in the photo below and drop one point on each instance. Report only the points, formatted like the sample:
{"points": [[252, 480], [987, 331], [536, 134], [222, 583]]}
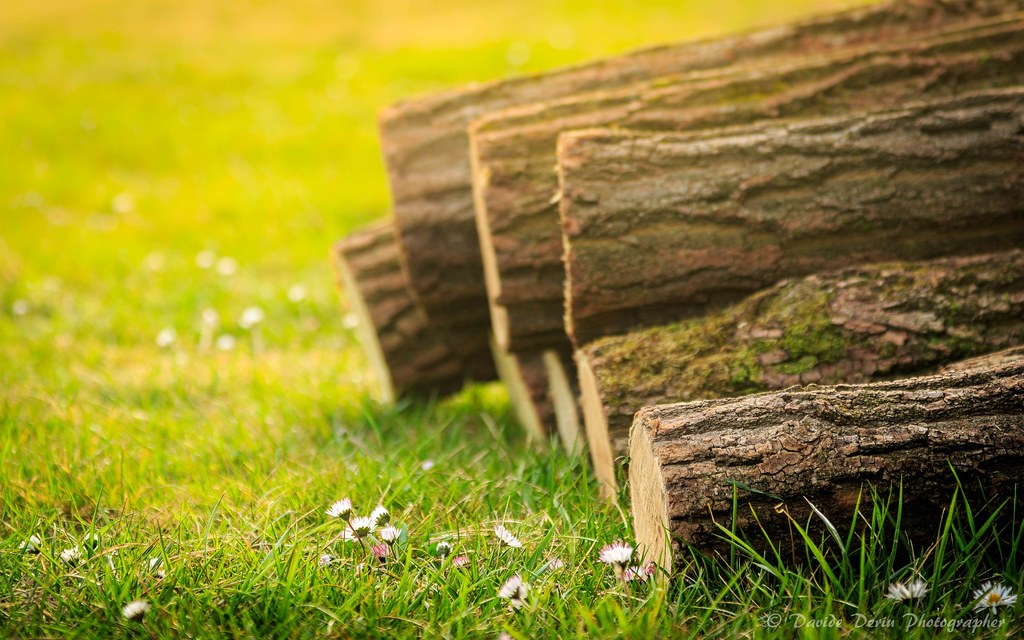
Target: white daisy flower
{"points": [[443, 549], [555, 564], [297, 293], [251, 317], [637, 573], [515, 591], [991, 596], [341, 509], [361, 526], [380, 551], [380, 515], [427, 465], [506, 536], [71, 556], [155, 566], [135, 610], [209, 317], [205, 259], [617, 554], [225, 342], [31, 545], [227, 266], [92, 541], [19, 307], [460, 561], [326, 559], [166, 338], [389, 534], [913, 590]]}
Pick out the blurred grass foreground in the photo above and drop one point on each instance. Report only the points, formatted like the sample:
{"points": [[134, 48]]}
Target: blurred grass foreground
{"points": [[178, 375]]}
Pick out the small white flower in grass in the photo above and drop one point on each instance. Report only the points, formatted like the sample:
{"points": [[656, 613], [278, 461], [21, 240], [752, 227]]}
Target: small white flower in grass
{"points": [[427, 465], [166, 338], [31, 545], [326, 559], [389, 534], [209, 317], [361, 526], [350, 321], [443, 549], [205, 259], [251, 317], [155, 566], [19, 307], [630, 574], [913, 590], [135, 610], [226, 342], [505, 536], [341, 509], [515, 591], [555, 564], [380, 551], [380, 516], [504, 635], [297, 293], [92, 541], [71, 556], [227, 266], [460, 561], [617, 554], [991, 596]]}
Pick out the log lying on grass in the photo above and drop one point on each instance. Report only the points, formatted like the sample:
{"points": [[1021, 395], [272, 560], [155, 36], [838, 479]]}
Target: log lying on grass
{"points": [[425, 144], [513, 152], [826, 445], [852, 326], [406, 354], [659, 227], [526, 380]]}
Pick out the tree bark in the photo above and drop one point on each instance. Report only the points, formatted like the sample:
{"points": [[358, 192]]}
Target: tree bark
{"points": [[662, 226], [853, 326], [425, 145], [513, 152], [691, 463], [406, 354]]}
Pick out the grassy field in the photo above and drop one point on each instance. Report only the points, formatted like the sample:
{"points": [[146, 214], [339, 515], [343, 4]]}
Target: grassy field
{"points": [[162, 158]]}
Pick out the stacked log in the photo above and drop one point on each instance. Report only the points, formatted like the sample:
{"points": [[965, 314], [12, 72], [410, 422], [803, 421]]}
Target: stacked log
{"points": [[856, 325], [514, 151], [751, 464], [425, 141]]}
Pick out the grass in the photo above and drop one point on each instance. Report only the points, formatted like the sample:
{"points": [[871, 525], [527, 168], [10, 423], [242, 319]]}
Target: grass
{"points": [[136, 135]]}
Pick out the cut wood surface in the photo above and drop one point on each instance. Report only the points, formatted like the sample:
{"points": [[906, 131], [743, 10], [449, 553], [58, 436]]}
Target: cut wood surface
{"points": [[564, 392], [775, 452], [405, 353], [516, 191], [425, 144], [661, 226], [525, 377], [852, 326]]}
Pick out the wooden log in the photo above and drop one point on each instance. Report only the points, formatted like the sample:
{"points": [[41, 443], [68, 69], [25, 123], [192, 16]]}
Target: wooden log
{"points": [[513, 152], [425, 144], [407, 356], [564, 393], [526, 379], [688, 224], [826, 445], [856, 325]]}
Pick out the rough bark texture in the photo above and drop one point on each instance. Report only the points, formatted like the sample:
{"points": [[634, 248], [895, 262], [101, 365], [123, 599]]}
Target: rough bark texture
{"points": [[425, 144], [853, 326], [517, 191], [661, 226], [406, 354], [827, 445]]}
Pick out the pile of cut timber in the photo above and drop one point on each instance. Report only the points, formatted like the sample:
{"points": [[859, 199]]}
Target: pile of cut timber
{"points": [[836, 201]]}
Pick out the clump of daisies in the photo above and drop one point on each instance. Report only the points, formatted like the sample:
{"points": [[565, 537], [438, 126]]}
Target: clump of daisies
{"points": [[992, 596], [506, 537], [135, 610], [515, 590], [904, 591]]}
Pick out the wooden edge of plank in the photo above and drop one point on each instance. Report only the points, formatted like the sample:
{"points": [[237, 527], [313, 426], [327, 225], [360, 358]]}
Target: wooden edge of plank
{"points": [[596, 425], [565, 401], [648, 499]]}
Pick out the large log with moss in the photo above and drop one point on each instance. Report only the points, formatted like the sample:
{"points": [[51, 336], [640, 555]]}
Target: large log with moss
{"points": [[406, 354], [425, 144], [751, 464], [517, 191], [686, 225], [856, 325]]}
